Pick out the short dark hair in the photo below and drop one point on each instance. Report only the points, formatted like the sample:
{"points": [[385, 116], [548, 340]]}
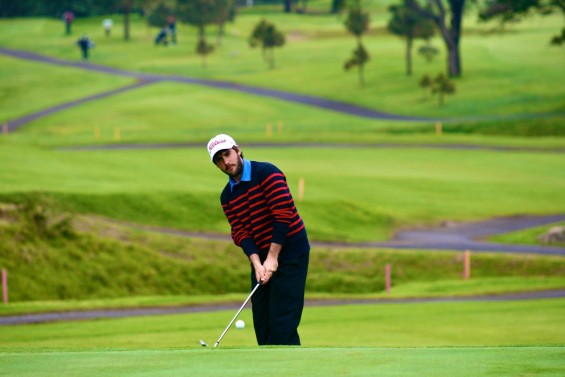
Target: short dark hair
{"points": [[235, 148]]}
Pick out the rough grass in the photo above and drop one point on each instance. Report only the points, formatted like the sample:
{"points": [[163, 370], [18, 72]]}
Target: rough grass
{"points": [[51, 257]]}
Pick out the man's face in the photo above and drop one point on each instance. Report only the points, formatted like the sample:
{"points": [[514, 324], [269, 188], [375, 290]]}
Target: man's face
{"points": [[230, 162]]}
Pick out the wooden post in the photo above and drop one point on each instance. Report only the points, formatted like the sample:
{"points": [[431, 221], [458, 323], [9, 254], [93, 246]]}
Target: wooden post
{"points": [[301, 189], [269, 130], [5, 285], [280, 127], [388, 280], [439, 130], [96, 132], [466, 265], [5, 128], [117, 134]]}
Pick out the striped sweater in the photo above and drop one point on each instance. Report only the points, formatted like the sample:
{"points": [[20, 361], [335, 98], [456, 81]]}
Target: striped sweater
{"points": [[261, 211]]}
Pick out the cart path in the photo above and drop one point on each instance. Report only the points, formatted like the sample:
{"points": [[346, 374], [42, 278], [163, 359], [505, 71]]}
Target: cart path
{"points": [[121, 313], [303, 99], [452, 236], [147, 78]]}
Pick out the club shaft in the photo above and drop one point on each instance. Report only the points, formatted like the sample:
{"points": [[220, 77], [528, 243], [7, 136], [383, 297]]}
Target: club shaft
{"points": [[236, 314]]}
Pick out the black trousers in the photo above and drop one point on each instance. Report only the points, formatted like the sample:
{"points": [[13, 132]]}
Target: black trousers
{"points": [[277, 305]]}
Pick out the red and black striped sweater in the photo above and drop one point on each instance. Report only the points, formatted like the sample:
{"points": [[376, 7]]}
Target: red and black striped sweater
{"points": [[261, 211]]}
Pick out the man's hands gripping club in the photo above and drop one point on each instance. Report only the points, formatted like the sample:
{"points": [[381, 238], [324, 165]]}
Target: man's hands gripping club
{"points": [[264, 271]]}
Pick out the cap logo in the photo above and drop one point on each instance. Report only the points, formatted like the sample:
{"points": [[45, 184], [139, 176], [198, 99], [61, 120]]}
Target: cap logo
{"points": [[215, 142]]}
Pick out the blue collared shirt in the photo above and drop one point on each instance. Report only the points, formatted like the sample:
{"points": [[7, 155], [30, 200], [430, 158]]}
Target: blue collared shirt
{"points": [[245, 175]]}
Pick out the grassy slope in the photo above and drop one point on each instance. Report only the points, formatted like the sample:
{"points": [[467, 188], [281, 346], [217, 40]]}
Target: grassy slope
{"points": [[179, 187], [52, 260]]}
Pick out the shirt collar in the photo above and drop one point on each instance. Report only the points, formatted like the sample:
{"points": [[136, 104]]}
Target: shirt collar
{"points": [[245, 175]]}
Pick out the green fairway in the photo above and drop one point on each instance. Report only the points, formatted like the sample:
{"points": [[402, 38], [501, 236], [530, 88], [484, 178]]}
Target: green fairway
{"points": [[314, 362], [47, 85], [419, 339], [312, 60], [453, 324], [180, 187]]}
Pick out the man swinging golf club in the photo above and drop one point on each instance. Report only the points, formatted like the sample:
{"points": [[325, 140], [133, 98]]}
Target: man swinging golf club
{"points": [[266, 225]]}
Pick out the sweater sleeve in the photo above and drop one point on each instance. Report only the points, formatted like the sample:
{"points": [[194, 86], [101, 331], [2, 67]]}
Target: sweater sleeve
{"points": [[239, 235], [280, 202]]}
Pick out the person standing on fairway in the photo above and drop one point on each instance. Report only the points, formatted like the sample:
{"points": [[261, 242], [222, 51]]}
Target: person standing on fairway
{"points": [[266, 225]]}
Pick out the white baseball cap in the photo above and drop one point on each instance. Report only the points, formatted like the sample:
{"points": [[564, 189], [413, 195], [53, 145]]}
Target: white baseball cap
{"points": [[218, 143]]}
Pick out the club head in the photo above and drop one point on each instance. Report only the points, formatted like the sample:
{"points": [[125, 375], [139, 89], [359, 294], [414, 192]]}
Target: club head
{"points": [[203, 343]]}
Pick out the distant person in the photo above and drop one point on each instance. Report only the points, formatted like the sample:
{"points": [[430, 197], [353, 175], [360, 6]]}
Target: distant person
{"points": [[171, 22], [107, 26], [68, 17], [267, 227], [85, 45], [161, 38]]}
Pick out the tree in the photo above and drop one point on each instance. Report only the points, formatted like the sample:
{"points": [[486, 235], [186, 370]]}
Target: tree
{"points": [[268, 37], [442, 86], [159, 15], [425, 82], [226, 14], [204, 49], [408, 23], [357, 23], [450, 24], [337, 6], [514, 10], [359, 58], [201, 13], [127, 7], [428, 52], [288, 5]]}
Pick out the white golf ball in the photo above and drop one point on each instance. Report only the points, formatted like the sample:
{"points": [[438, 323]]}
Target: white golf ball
{"points": [[240, 324]]}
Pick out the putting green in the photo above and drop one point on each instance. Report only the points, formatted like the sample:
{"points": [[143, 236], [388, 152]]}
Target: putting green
{"points": [[312, 362]]}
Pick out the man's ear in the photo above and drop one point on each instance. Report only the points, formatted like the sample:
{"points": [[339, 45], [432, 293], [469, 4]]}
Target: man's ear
{"points": [[237, 150]]}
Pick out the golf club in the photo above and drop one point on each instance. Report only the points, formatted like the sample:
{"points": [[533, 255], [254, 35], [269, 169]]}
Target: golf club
{"points": [[204, 344]]}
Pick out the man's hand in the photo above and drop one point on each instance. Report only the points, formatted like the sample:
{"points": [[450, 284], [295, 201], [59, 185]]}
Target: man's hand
{"points": [[271, 264], [264, 272]]}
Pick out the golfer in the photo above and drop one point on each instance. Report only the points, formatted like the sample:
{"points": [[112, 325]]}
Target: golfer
{"points": [[266, 225]]}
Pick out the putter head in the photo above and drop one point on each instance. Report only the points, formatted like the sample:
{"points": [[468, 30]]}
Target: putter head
{"points": [[203, 343]]}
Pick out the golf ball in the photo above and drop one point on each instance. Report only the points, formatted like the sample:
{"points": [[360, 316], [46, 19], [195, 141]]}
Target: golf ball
{"points": [[240, 324]]}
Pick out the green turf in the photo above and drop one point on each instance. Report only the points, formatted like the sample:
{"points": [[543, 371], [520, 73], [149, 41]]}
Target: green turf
{"points": [[314, 54], [417, 339], [315, 362], [443, 324], [529, 236], [47, 85], [367, 187]]}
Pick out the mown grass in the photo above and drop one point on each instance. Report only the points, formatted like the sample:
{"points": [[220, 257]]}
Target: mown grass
{"points": [[447, 324], [311, 61], [351, 194], [47, 85], [529, 236], [316, 362]]}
